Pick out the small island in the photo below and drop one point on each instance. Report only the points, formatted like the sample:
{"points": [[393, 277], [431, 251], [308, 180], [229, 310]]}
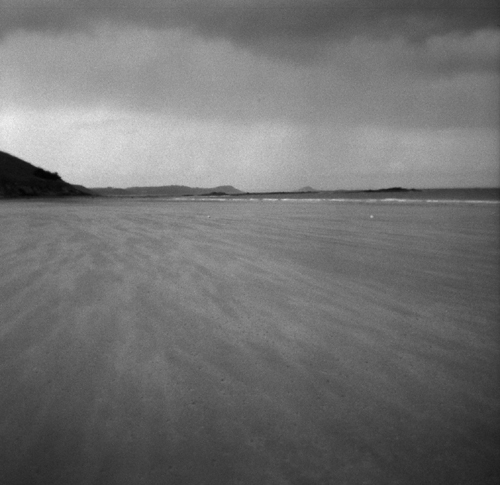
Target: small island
{"points": [[391, 189]]}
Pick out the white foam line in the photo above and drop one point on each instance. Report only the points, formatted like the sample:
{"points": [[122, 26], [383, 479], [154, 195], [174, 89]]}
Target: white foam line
{"points": [[333, 200]]}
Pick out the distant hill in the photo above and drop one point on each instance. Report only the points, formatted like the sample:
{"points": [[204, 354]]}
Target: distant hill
{"points": [[167, 191], [306, 189], [20, 179]]}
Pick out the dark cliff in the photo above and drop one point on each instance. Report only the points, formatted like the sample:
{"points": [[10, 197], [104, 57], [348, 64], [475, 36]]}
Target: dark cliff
{"points": [[22, 179]]}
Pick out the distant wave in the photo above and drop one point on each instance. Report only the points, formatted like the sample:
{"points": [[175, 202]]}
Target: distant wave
{"points": [[333, 200]]}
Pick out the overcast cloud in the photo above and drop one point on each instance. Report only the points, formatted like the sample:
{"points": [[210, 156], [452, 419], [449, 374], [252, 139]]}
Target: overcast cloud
{"points": [[248, 21], [262, 95]]}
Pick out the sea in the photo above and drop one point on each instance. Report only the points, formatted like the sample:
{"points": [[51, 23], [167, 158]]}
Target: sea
{"points": [[446, 196]]}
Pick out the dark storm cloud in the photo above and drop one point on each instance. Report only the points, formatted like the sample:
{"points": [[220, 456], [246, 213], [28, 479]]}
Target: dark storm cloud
{"points": [[252, 21]]}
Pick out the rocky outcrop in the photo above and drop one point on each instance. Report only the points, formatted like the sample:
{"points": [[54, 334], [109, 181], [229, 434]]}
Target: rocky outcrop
{"points": [[38, 190]]}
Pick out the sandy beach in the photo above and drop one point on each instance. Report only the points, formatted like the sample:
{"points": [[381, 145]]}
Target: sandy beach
{"points": [[151, 341]]}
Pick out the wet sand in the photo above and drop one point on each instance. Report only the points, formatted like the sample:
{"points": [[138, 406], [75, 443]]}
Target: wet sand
{"points": [[147, 342]]}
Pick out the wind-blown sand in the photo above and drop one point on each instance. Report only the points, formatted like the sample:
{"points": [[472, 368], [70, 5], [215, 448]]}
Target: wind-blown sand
{"points": [[142, 341]]}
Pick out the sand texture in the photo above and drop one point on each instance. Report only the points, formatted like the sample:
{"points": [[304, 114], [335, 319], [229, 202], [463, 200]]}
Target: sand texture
{"points": [[156, 342]]}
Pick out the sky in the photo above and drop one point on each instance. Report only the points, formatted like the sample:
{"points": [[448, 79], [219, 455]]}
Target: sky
{"points": [[258, 94]]}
